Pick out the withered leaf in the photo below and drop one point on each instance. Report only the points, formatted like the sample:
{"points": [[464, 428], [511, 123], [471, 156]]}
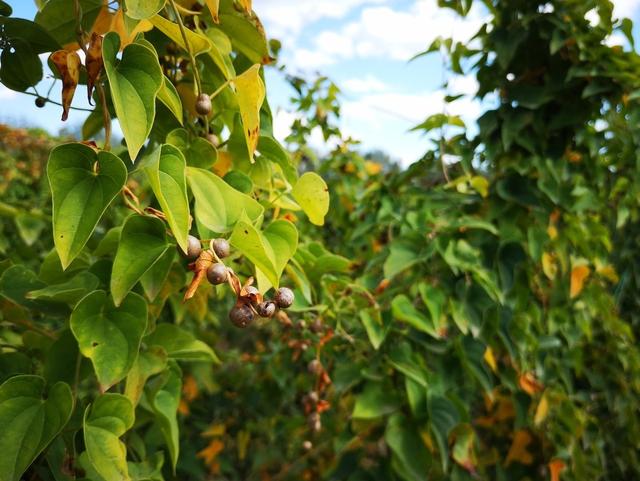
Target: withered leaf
{"points": [[94, 62], [68, 65]]}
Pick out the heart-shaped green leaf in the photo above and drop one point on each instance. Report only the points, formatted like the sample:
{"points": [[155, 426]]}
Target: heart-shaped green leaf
{"points": [[28, 423], [153, 280], [83, 184], [108, 335], [150, 362], [59, 20], [168, 95], [164, 398], [68, 292], [180, 344], [20, 66], [110, 416], [405, 311], [140, 9], [218, 205], [134, 83], [269, 251], [312, 193], [197, 151], [165, 169], [143, 241]]}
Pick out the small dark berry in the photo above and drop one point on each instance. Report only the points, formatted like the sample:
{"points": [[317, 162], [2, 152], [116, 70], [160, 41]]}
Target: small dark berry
{"points": [[194, 248], [221, 247], [307, 445], [241, 315], [40, 101], [316, 325], [203, 104], [284, 297], [266, 308], [314, 367], [217, 274]]}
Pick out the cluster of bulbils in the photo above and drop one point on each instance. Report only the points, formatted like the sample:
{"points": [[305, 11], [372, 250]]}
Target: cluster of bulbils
{"points": [[249, 301]]}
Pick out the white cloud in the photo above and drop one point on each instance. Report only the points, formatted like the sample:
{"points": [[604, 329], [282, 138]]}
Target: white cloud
{"points": [[285, 19], [398, 34], [368, 83]]}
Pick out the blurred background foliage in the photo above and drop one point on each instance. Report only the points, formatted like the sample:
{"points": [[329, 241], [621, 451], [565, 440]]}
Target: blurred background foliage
{"points": [[471, 316]]}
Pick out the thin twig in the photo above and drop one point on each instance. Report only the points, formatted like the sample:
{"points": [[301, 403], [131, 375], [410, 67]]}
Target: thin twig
{"points": [[106, 118], [187, 46], [58, 103]]}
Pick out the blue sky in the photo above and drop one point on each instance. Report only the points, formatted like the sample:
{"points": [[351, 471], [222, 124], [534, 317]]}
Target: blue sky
{"points": [[363, 45]]}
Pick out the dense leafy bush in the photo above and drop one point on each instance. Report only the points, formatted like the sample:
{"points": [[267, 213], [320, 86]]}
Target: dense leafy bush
{"points": [[471, 316]]}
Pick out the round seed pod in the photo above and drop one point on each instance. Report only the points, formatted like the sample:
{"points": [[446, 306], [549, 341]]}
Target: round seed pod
{"points": [[217, 274], [203, 104], [221, 247], [284, 297], [241, 315], [266, 308], [40, 101], [194, 248]]}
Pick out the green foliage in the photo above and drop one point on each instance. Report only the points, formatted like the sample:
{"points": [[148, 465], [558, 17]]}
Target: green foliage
{"points": [[472, 316]]}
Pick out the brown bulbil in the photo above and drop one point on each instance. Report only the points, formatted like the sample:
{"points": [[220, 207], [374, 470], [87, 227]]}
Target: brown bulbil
{"points": [[221, 247], [217, 274], [203, 104], [194, 248], [241, 315], [284, 297], [266, 309]]}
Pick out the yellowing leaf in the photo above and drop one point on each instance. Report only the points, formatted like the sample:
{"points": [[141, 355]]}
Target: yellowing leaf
{"points": [[213, 6], [556, 466], [518, 450], [68, 65], [463, 449], [223, 164], [312, 193], [372, 168], [609, 273], [552, 232], [549, 265], [188, 97], [579, 275], [103, 22], [127, 32], [529, 384], [490, 359], [542, 410], [480, 185], [210, 453], [217, 429], [197, 43], [250, 91]]}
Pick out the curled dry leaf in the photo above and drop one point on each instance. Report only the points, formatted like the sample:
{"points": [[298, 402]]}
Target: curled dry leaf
{"points": [[199, 267], [94, 62], [68, 65]]}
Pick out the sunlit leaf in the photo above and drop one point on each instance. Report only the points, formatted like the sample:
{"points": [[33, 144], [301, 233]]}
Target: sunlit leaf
{"points": [[83, 184]]}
